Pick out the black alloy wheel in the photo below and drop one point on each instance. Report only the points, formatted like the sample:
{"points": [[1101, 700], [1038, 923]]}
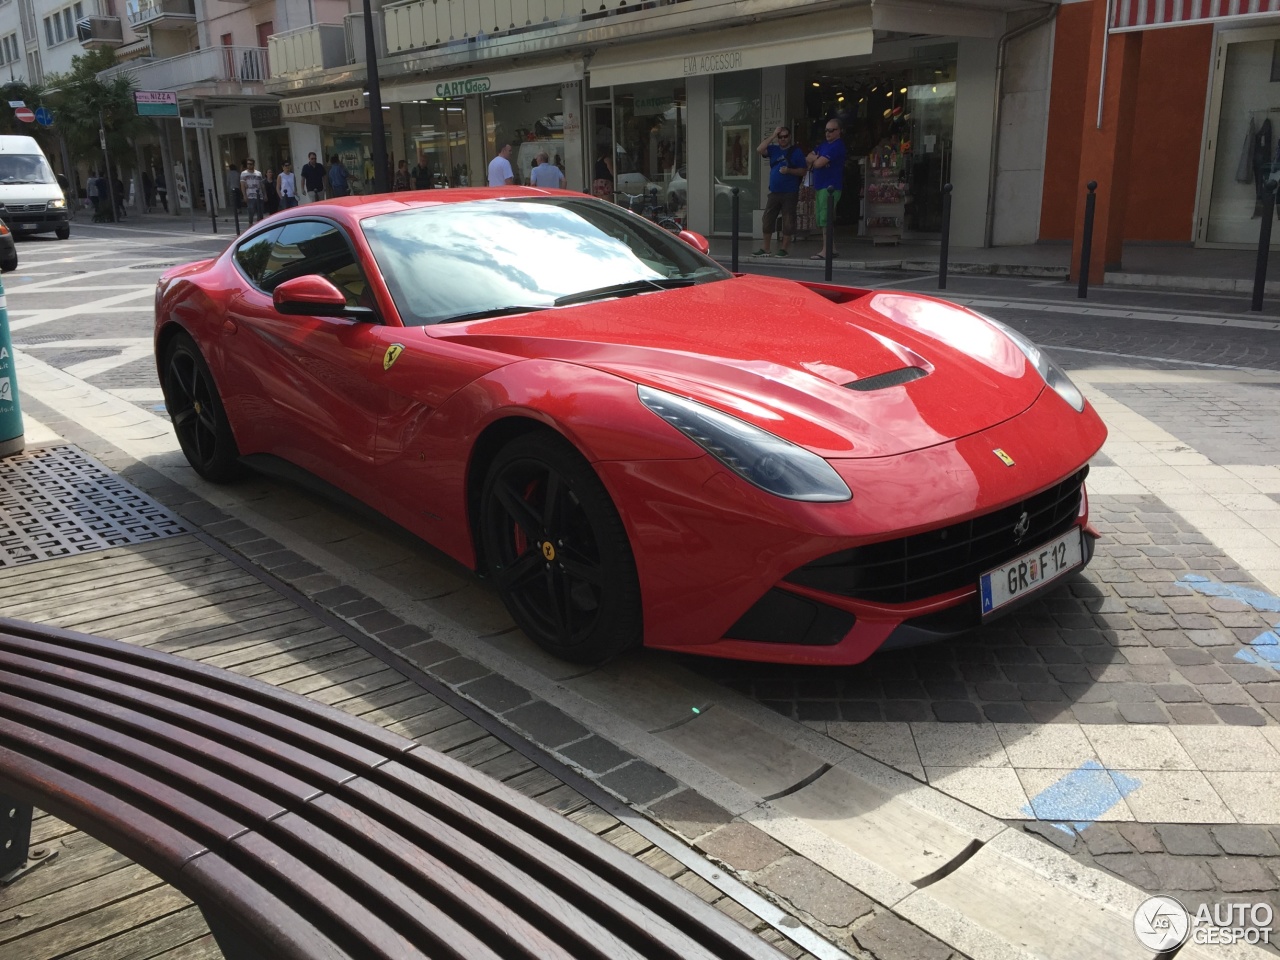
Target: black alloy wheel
{"points": [[199, 420], [558, 552]]}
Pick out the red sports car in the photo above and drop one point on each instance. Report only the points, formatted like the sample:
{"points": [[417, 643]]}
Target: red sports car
{"points": [[633, 444]]}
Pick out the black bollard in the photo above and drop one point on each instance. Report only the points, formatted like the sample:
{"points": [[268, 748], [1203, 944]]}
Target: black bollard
{"points": [[213, 212], [733, 249], [946, 236], [829, 235], [235, 212], [1086, 244], [1264, 244]]}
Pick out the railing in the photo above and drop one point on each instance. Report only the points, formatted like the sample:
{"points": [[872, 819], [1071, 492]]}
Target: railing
{"points": [[427, 23], [317, 46], [97, 32], [147, 11], [210, 65]]}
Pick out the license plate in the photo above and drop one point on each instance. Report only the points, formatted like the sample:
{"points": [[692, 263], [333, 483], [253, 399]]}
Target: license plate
{"points": [[1031, 571]]}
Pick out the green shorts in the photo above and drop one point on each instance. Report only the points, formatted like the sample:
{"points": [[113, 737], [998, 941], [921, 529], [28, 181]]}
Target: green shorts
{"points": [[820, 204]]}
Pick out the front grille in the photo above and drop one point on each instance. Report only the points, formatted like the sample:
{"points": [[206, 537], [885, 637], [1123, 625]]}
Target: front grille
{"points": [[25, 207], [926, 564]]}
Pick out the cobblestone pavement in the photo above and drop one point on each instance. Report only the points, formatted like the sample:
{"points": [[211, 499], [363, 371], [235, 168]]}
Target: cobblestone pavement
{"points": [[1151, 667]]}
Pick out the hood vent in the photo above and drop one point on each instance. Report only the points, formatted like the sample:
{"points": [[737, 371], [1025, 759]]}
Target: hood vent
{"points": [[891, 379]]}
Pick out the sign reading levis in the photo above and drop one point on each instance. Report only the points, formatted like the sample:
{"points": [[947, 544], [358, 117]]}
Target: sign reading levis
{"points": [[340, 101]]}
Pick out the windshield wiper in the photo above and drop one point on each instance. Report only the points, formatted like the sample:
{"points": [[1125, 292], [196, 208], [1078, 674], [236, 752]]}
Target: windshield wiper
{"points": [[626, 289], [494, 312]]}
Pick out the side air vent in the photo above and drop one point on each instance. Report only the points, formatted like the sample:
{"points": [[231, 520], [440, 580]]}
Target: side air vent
{"points": [[891, 379]]}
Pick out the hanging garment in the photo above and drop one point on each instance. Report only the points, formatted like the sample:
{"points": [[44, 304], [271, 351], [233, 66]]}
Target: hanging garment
{"points": [[1261, 164], [1244, 169]]}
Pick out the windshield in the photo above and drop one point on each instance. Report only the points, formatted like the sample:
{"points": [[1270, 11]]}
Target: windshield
{"points": [[484, 258], [24, 168]]}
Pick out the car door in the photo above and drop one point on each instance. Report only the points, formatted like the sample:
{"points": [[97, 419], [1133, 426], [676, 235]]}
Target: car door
{"points": [[315, 403]]}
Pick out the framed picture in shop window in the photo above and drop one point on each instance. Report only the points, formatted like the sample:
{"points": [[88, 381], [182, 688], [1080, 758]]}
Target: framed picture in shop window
{"points": [[737, 151]]}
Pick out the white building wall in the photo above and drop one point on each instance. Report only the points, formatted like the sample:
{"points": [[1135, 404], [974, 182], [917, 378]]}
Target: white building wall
{"points": [[11, 23], [1024, 126], [971, 162]]}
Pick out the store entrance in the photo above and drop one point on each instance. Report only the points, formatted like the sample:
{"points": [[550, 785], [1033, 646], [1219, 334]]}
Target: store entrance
{"points": [[898, 120]]}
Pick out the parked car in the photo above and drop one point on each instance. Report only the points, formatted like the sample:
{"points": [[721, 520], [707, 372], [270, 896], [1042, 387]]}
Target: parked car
{"points": [[30, 199], [591, 412], [678, 194]]}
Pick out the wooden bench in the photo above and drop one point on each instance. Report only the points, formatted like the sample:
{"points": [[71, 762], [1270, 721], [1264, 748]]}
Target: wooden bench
{"points": [[304, 833]]}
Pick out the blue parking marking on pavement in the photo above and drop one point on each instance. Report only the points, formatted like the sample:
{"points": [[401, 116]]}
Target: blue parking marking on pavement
{"points": [[1081, 797], [1257, 599]]}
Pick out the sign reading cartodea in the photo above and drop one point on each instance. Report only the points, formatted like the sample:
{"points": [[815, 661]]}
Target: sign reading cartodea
{"points": [[1163, 923], [458, 88]]}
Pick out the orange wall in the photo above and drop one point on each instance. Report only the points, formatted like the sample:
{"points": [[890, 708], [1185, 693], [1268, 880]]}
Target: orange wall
{"points": [[1066, 117], [1167, 133], [1168, 126]]}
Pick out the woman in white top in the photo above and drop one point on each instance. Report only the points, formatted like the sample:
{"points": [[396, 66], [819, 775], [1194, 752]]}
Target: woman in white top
{"points": [[285, 186], [546, 174]]}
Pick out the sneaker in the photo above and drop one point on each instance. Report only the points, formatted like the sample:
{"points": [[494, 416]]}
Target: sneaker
{"points": [[783, 253], [762, 252]]}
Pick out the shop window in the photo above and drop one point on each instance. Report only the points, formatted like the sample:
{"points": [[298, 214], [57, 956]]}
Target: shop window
{"points": [[1246, 147], [436, 136], [736, 133], [650, 144], [531, 120]]}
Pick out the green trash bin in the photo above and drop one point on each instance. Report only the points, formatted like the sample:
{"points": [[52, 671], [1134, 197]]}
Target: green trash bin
{"points": [[11, 434]]}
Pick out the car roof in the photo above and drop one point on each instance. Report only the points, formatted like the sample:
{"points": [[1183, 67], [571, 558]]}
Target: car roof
{"points": [[373, 205]]}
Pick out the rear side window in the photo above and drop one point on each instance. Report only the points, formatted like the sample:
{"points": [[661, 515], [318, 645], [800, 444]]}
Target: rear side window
{"points": [[316, 247], [253, 254]]}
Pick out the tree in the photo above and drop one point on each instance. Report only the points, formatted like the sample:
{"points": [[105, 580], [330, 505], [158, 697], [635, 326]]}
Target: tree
{"points": [[34, 96], [82, 100]]}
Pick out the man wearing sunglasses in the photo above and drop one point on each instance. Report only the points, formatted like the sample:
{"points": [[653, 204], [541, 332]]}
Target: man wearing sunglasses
{"points": [[827, 164], [786, 168]]}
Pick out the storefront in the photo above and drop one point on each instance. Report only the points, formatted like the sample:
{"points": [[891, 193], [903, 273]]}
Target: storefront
{"points": [[333, 124], [1244, 127], [459, 123]]}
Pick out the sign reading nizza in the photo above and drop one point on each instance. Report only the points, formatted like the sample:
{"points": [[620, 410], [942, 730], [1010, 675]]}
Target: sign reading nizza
{"points": [[458, 88]]}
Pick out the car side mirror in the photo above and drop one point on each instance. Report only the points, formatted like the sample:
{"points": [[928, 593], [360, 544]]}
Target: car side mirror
{"points": [[696, 240], [314, 296]]}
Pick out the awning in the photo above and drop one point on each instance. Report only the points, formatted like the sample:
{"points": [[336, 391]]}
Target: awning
{"points": [[1148, 14], [842, 33]]}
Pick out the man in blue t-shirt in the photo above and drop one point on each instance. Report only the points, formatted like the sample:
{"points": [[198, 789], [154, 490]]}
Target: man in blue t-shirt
{"points": [[827, 163], [786, 168]]}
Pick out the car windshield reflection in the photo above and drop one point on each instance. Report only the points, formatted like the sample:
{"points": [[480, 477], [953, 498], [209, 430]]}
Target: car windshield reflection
{"points": [[495, 257]]}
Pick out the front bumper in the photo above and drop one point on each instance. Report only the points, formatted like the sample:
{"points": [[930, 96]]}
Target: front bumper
{"points": [[44, 221], [710, 548]]}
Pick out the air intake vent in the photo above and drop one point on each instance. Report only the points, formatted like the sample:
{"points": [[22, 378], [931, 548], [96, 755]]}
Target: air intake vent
{"points": [[891, 379]]}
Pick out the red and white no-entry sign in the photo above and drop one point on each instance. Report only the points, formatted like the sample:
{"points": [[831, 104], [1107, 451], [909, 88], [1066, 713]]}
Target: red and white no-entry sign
{"points": [[25, 114]]}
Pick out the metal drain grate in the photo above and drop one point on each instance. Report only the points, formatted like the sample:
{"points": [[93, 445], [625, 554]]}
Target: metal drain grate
{"points": [[58, 502]]}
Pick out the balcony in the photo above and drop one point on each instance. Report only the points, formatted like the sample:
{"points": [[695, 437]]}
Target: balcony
{"points": [[307, 50], [161, 14], [427, 23], [97, 33], [211, 71]]}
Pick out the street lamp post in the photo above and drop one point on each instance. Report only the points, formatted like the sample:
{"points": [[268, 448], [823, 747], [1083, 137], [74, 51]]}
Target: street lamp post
{"points": [[375, 105]]}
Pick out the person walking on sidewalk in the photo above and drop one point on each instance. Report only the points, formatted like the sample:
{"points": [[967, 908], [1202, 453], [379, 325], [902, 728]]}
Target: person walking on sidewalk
{"points": [[286, 186], [252, 188], [313, 179], [786, 169], [233, 187], [827, 164], [500, 172], [339, 179]]}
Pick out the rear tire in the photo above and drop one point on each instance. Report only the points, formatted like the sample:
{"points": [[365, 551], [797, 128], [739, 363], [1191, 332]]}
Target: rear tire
{"points": [[558, 551], [198, 416]]}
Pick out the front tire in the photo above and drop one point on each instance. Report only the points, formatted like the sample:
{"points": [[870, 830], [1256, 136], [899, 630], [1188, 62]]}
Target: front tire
{"points": [[62, 233], [198, 416], [558, 552]]}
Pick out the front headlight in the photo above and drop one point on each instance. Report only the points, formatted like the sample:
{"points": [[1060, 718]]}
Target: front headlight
{"points": [[1053, 374], [57, 204], [770, 463]]}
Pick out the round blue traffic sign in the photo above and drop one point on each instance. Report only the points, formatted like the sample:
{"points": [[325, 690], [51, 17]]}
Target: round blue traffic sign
{"points": [[44, 117]]}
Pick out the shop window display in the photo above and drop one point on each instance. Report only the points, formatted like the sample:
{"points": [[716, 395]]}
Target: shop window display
{"points": [[650, 144], [531, 120], [733, 149], [437, 130]]}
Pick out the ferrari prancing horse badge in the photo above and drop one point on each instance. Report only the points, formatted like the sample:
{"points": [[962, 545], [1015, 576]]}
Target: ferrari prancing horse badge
{"points": [[392, 355]]}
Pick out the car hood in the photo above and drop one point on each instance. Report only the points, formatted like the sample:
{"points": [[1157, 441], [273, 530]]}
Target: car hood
{"points": [[825, 375]]}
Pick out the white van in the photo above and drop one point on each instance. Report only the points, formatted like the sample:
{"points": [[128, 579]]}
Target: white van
{"points": [[30, 199]]}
